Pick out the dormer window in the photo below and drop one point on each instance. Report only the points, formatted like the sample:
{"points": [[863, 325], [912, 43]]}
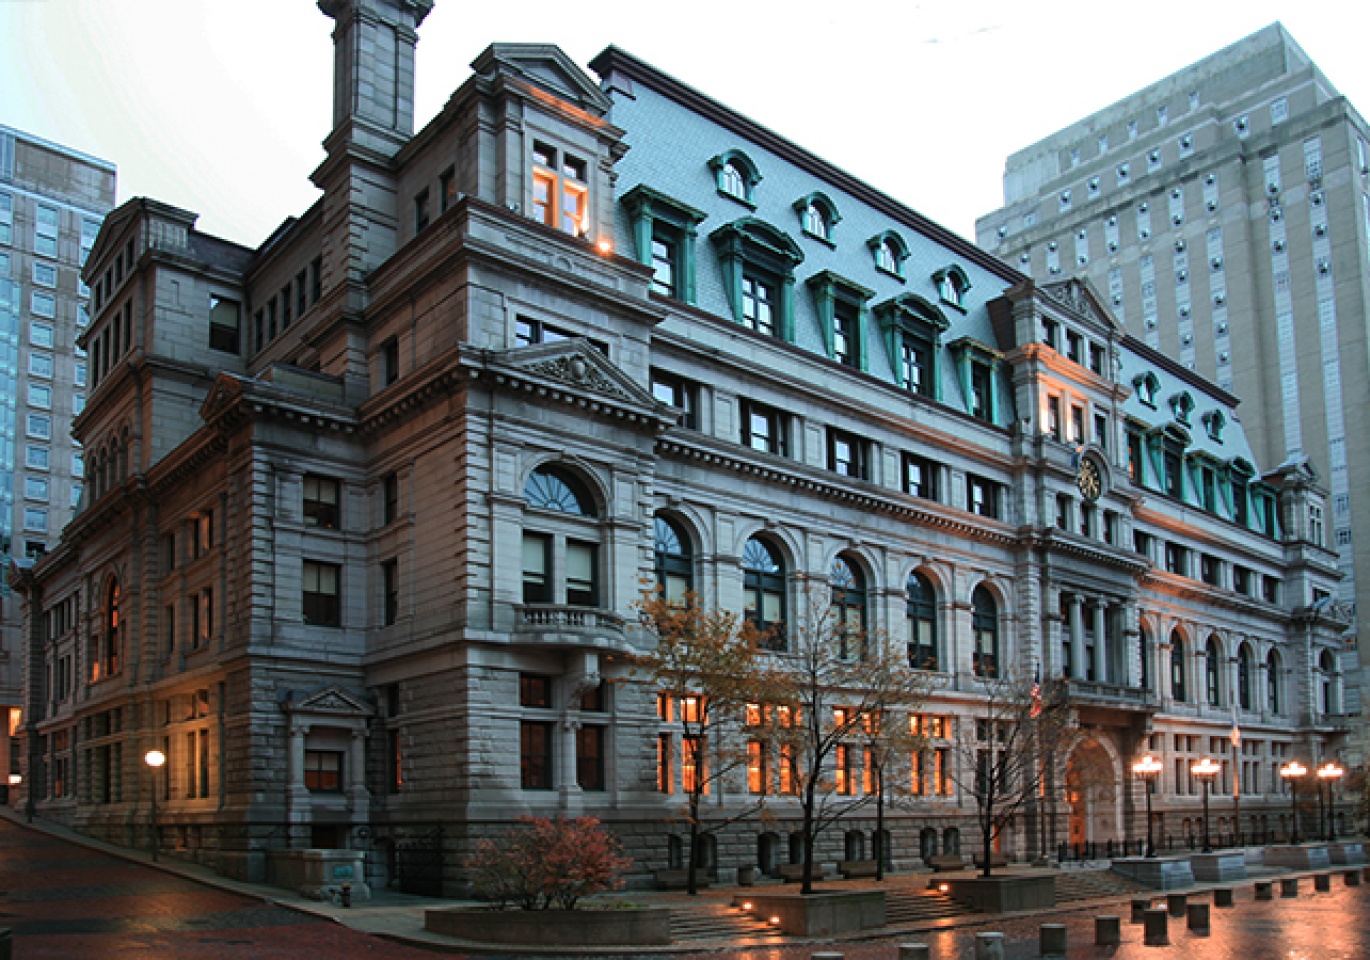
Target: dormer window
{"points": [[818, 216], [561, 190], [1214, 422], [736, 175], [890, 253], [1147, 385], [952, 285], [1182, 405]]}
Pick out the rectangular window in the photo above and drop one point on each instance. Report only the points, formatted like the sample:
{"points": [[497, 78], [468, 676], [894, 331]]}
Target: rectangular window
{"points": [[590, 758], [224, 320], [535, 755], [40, 396], [301, 295], [323, 770], [390, 498], [915, 369], [537, 562], [44, 274], [664, 759], [390, 361], [846, 454], [40, 365], [43, 304], [846, 326], [581, 582], [758, 777], [843, 769], [763, 429], [693, 776], [204, 618], [920, 477], [36, 488], [322, 606], [535, 690], [982, 392], [679, 393], [390, 591], [758, 305], [204, 533], [421, 210], [981, 496], [561, 191], [169, 629], [36, 457], [39, 426], [315, 280], [321, 495], [396, 761], [41, 334], [285, 306], [447, 190], [45, 231], [36, 518], [664, 254], [78, 465]]}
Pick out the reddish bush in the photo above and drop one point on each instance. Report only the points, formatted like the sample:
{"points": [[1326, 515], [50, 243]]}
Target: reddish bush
{"points": [[546, 863]]}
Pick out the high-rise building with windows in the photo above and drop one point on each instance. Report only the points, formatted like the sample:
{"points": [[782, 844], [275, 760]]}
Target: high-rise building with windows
{"points": [[372, 505], [52, 201], [1224, 214]]}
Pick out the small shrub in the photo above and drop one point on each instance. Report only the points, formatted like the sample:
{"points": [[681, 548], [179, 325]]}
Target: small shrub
{"points": [[544, 863]]}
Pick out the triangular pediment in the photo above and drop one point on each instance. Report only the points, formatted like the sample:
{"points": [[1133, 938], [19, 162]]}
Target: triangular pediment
{"points": [[1080, 296], [576, 365], [331, 700], [545, 66], [223, 395]]}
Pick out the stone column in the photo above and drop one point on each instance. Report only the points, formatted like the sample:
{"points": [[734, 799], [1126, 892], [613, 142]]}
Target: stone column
{"points": [[1077, 637], [358, 798], [1100, 640]]}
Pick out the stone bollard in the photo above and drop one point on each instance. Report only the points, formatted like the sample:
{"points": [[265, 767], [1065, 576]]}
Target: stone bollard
{"points": [[1289, 887], [1177, 902], [989, 946], [1352, 878], [1264, 889], [1156, 931], [1139, 909], [915, 951], [1108, 931], [1197, 917], [1052, 940], [1322, 882], [1222, 896]]}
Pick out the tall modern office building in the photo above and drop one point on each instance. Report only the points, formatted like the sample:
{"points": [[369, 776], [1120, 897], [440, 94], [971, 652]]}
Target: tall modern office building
{"points": [[52, 201], [1224, 215]]}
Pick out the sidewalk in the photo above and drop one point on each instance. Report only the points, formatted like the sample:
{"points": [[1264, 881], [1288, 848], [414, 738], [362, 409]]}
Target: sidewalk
{"points": [[400, 917]]}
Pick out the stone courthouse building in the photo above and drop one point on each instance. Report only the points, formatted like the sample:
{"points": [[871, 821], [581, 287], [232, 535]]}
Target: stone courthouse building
{"points": [[369, 507]]}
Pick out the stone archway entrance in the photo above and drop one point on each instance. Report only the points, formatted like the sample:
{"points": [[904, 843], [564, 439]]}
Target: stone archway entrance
{"points": [[1092, 795]]}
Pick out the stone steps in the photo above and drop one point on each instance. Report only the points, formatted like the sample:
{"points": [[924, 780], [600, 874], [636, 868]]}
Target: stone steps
{"points": [[718, 921], [908, 907], [1075, 885]]}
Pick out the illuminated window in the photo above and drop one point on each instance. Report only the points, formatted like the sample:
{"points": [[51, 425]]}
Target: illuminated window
{"points": [[693, 775], [758, 774], [323, 771], [561, 190], [843, 768]]}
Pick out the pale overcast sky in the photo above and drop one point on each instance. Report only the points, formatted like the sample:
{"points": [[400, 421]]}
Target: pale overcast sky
{"points": [[220, 106]]}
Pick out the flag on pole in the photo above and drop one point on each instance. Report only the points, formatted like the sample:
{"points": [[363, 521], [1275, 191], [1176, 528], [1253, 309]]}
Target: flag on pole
{"points": [[1035, 695]]}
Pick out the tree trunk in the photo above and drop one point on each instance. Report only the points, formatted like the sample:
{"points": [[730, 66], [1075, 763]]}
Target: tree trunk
{"points": [[879, 823], [807, 886], [691, 887]]}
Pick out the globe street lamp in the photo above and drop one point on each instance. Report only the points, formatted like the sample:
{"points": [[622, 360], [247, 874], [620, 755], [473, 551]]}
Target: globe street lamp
{"points": [[1207, 771], [1329, 773], [1291, 772], [154, 760], [1148, 768]]}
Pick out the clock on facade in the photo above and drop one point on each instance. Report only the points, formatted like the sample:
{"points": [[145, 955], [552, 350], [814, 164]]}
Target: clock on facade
{"points": [[1089, 480]]}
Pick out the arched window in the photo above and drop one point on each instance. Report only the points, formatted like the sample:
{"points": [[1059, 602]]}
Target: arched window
{"points": [[922, 620], [763, 585], [1273, 686], [561, 551], [549, 488], [674, 570], [1244, 677], [848, 609], [1327, 668], [985, 627], [818, 215], [732, 181], [736, 175], [1177, 690], [1212, 673]]}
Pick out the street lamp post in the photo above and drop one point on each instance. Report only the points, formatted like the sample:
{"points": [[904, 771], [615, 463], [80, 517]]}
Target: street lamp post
{"points": [[154, 760], [1148, 768], [1328, 774], [1291, 772], [1207, 771]]}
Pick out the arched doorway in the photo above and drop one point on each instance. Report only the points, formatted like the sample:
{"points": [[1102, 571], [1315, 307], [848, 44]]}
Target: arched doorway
{"points": [[1092, 795]]}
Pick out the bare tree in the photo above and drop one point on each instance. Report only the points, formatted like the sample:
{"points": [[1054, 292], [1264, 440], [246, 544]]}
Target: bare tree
{"points": [[1008, 753], [836, 689], [706, 671]]}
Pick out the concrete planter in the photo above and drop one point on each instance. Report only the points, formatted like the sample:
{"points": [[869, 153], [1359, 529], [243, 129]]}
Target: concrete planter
{"points": [[1158, 873], [319, 874], [823, 911], [1306, 856], [1219, 867], [1347, 852], [627, 927], [1007, 894]]}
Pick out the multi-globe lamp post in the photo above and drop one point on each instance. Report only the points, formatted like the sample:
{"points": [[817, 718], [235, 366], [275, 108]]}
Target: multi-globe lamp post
{"points": [[1207, 771], [1148, 769], [1328, 775], [154, 760], [1292, 772]]}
